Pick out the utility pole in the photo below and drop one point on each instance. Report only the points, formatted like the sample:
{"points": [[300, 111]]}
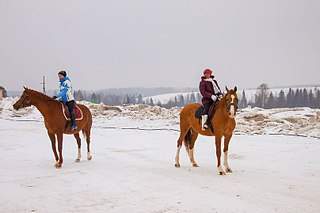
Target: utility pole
{"points": [[44, 84]]}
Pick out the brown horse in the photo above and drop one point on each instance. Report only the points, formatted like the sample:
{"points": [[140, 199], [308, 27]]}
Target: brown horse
{"points": [[223, 123], [56, 123]]}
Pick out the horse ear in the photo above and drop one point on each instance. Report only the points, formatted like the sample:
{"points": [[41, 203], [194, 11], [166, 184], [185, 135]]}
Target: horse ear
{"points": [[235, 89], [227, 89], [24, 87]]}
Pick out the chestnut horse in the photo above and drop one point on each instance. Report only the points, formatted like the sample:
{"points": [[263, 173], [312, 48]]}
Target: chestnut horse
{"points": [[56, 123], [223, 123]]}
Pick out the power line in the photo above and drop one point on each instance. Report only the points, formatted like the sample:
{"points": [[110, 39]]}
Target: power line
{"points": [[44, 84]]}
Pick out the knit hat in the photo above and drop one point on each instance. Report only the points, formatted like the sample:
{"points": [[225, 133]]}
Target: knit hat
{"points": [[62, 72], [207, 71]]}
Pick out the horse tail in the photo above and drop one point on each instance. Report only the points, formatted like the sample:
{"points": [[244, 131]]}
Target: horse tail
{"points": [[187, 138]]}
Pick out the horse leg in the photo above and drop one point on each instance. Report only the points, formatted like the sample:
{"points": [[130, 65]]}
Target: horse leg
{"points": [[87, 135], [218, 153], [183, 133], [77, 136], [53, 145], [225, 151], [60, 139], [194, 137], [179, 145]]}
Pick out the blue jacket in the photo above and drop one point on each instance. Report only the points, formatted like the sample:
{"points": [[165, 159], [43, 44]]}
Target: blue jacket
{"points": [[65, 93]]}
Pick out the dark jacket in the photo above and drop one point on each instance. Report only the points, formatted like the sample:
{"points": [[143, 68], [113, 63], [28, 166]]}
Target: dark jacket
{"points": [[207, 90]]}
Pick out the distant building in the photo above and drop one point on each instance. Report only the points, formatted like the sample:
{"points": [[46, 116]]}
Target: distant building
{"points": [[3, 92]]}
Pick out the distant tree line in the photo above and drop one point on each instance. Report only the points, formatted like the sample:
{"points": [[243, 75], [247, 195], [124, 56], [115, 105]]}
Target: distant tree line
{"points": [[177, 101], [119, 99], [264, 98], [300, 97]]}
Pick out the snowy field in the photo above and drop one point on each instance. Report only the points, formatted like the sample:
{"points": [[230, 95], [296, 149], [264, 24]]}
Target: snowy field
{"points": [[132, 171], [133, 164]]}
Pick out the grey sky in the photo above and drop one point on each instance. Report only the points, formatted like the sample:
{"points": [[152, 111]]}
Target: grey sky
{"points": [[104, 44]]}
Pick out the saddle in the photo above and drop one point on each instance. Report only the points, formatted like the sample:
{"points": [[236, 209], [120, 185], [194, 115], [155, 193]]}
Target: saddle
{"points": [[77, 111]]}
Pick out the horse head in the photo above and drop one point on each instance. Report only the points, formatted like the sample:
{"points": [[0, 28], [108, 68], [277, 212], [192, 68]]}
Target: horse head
{"points": [[24, 100], [231, 99]]}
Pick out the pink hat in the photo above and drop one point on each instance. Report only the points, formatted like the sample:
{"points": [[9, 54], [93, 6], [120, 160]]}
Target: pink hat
{"points": [[207, 71]]}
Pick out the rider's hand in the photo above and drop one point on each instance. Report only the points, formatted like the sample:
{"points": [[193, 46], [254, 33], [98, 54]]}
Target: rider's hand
{"points": [[214, 98]]}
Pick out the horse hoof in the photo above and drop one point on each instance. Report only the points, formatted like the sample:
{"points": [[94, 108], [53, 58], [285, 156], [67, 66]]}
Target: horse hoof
{"points": [[77, 160], [58, 165], [89, 157], [222, 173], [195, 165], [177, 165], [228, 170]]}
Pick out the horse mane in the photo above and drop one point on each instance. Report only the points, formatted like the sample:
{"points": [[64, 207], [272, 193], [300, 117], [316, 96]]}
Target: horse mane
{"points": [[39, 95], [222, 100]]}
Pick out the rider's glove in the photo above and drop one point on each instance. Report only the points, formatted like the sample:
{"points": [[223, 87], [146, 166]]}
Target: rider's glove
{"points": [[214, 98]]}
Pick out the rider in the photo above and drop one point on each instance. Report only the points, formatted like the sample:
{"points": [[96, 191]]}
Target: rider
{"points": [[210, 92], [65, 95]]}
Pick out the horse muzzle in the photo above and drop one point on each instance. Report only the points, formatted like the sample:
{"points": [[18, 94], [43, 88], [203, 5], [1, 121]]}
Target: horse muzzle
{"points": [[16, 106]]}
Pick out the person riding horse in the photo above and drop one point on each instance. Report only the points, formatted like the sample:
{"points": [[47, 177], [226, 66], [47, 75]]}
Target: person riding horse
{"points": [[210, 92], [65, 95]]}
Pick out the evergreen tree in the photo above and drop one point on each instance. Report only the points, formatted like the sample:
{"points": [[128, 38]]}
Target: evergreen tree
{"points": [[187, 100], [193, 98], [290, 98], [94, 98], [295, 101], [175, 101], [181, 101], [271, 101], [311, 99], [151, 102], [305, 98], [281, 100], [243, 102], [317, 99], [78, 95], [140, 99], [126, 99], [199, 97]]}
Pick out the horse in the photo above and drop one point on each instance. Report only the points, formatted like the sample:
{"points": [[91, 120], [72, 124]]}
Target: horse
{"points": [[222, 121], [56, 122]]}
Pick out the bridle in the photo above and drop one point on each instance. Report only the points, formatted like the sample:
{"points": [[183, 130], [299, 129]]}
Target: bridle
{"points": [[234, 104], [23, 100]]}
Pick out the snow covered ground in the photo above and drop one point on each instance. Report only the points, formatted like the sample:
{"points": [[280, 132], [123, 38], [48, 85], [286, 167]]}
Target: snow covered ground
{"points": [[132, 171]]}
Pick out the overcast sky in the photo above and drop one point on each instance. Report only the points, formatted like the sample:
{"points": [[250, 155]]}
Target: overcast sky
{"points": [[105, 44]]}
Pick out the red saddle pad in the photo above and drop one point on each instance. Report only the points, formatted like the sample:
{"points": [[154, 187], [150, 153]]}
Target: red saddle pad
{"points": [[77, 110]]}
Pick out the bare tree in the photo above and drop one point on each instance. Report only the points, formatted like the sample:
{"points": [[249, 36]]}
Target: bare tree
{"points": [[262, 95]]}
